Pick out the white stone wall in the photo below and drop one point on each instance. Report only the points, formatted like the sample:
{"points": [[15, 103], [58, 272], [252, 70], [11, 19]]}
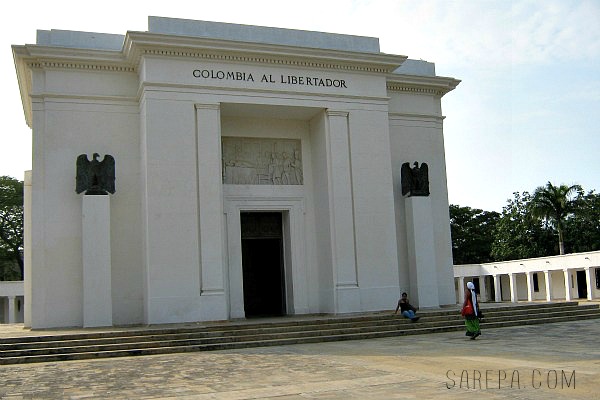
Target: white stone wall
{"points": [[416, 134], [79, 112]]}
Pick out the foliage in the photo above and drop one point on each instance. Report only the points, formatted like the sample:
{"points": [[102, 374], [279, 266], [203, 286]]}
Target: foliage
{"points": [[11, 228], [528, 226], [472, 234], [518, 234], [582, 230], [553, 205]]}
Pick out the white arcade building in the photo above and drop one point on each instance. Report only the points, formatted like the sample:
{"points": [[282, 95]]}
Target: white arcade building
{"points": [[258, 172]]}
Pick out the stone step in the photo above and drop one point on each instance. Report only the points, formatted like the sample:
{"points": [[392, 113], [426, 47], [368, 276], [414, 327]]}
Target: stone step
{"points": [[304, 330], [245, 330], [382, 318], [390, 323]]}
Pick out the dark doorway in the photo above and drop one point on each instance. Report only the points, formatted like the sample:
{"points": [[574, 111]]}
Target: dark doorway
{"points": [[262, 264], [492, 295], [476, 283], [581, 284]]}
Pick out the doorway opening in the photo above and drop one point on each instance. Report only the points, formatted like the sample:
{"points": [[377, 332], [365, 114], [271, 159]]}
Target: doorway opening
{"points": [[262, 264], [582, 284]]}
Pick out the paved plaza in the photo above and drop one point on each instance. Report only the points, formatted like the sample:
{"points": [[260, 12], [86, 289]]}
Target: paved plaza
{"points": [[558, 361]]}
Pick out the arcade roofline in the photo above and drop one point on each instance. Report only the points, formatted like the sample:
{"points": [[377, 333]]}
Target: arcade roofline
{"points": [[550, 263]]}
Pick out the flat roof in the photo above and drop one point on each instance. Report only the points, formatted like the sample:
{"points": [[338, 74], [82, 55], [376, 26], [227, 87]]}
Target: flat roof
{"points": [[227, 31], [261, 34], [213, 30]]}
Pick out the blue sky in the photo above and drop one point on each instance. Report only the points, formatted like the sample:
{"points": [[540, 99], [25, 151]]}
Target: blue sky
{"points": [[526, 111]]}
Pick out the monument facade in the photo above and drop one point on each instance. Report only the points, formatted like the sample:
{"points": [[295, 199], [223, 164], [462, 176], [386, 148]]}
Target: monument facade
{"points": [[258, 172]]}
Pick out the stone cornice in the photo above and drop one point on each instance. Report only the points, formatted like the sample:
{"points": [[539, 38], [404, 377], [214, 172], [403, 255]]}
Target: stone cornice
{"points": [[140, 44], [35, 56], [29, 57], [402, 116], [431, 85], [24, 80]]}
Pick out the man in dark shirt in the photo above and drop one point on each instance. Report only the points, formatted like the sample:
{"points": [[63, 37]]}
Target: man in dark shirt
{"points": [[406, 308]]}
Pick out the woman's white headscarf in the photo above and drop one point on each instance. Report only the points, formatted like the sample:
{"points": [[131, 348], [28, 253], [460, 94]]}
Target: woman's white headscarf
{"points": [[471, 287]]}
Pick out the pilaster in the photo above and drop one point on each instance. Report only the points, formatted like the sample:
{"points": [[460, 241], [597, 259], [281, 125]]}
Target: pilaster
{"points": [[27, 250], [341, 207], [210, 212]]}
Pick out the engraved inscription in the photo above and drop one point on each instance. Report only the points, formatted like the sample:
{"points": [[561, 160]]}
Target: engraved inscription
{"points": [[261, 161]]}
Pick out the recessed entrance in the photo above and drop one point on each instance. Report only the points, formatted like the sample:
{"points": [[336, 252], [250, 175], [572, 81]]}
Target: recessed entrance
{"points": [[581, 284], [262, 264]]}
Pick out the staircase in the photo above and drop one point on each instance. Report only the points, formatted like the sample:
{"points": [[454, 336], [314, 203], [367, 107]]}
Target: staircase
{"points": [[272, 332]]}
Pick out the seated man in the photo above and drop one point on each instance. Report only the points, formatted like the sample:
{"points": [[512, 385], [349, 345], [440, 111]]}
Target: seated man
{"points": [[406, 308]]}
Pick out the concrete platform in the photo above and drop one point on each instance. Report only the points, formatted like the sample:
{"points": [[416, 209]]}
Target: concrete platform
{"points": [[558, 361]]}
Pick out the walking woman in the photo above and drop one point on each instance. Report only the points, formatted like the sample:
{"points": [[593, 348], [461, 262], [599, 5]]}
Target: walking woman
{"points": [[470, 310]]}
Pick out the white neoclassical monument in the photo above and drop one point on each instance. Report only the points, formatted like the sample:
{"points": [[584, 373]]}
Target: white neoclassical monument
{"points": [[258, 172]]}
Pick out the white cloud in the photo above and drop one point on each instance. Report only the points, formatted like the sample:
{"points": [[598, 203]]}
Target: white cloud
{"points": [[489, 34], [546, 32]]}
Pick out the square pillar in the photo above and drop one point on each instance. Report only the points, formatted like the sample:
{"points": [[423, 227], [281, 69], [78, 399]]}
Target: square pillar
{"points": [[497, 289], [421, 259], [529, 276], [97, 293], [588, 279], [461, 289], [482, 291], [513, 287], [568, 280], [12, 317], [548, 280]]}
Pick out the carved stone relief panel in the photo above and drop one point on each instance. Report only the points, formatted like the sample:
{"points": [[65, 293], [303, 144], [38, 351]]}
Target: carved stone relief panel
{"points": [[261, 161]]}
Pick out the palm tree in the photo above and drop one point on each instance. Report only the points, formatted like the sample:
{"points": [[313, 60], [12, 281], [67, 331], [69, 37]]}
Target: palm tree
{"points": [[553, 204]]}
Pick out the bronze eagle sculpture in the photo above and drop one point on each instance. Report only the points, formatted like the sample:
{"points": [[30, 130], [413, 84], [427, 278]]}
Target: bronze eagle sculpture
{"points": [[95, 177], [415, 181]]}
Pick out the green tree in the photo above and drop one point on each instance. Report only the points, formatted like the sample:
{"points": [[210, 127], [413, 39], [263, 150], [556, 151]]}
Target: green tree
{"points": [[518, 234], [11, 226], [553, 205], [472, 234], [582, 229]]}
